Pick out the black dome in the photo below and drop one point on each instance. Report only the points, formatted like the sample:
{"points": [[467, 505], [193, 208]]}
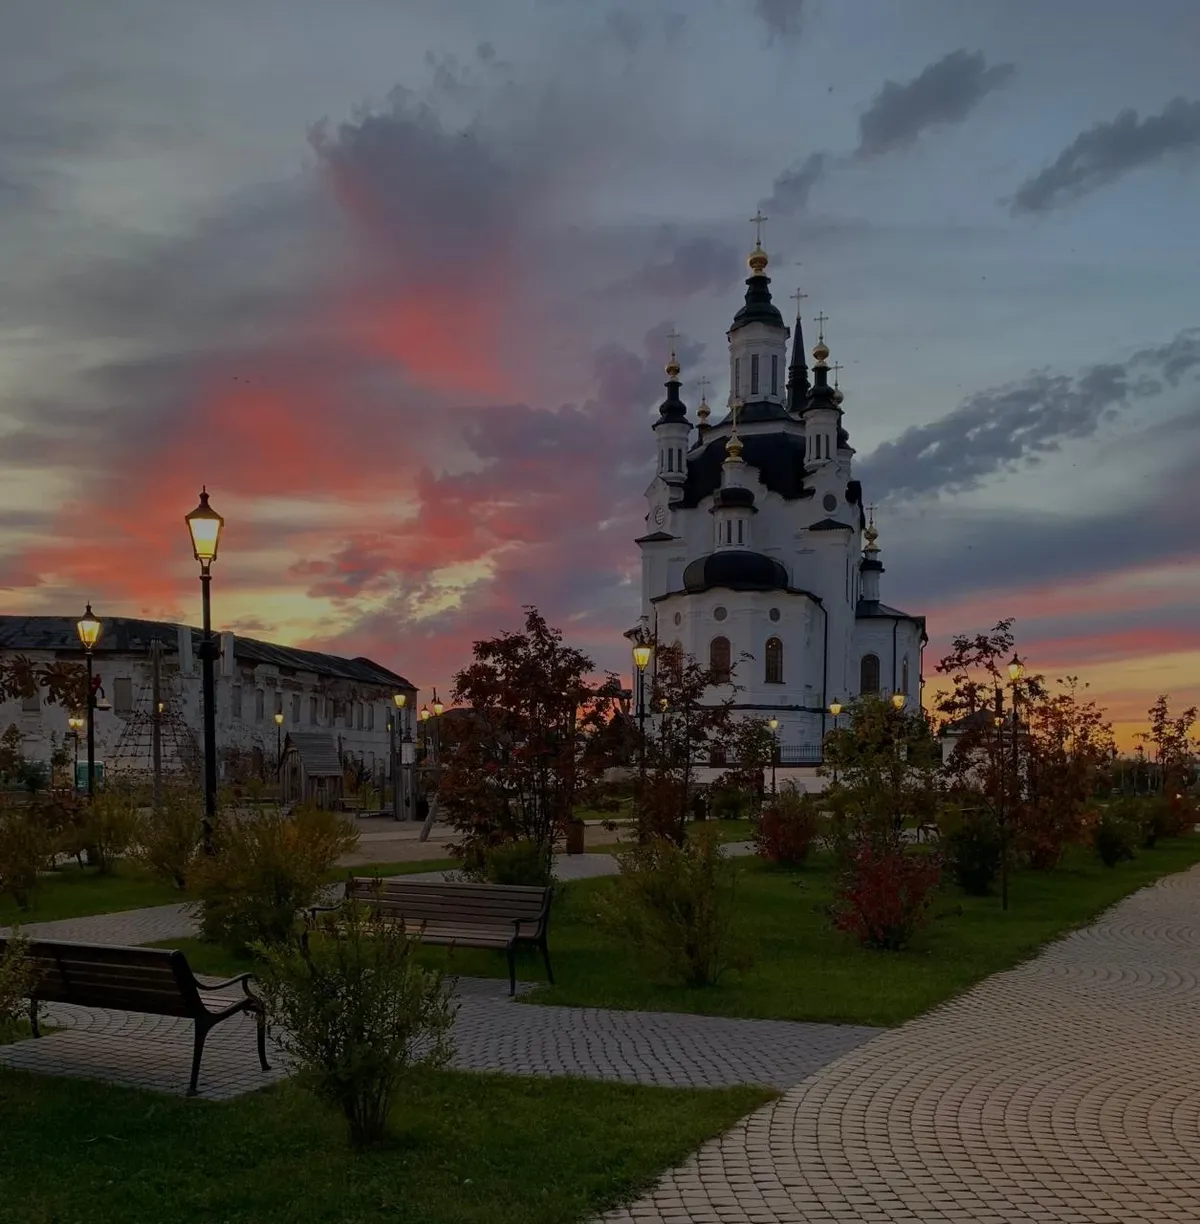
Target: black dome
{"points": [[735, 495], [758, 307], [736, 569]]}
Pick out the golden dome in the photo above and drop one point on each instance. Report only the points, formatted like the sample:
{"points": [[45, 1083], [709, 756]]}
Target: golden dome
{"points": [[820, 351], [673, 367], [733, 448], [703, 412], [837, 395], [757, 262]]}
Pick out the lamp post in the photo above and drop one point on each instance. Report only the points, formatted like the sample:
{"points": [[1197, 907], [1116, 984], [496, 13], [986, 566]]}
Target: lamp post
{"points": [[88, 629], [773, 723], [204, 526], [835, 708], [76, 724], [401, 797], [278, 739], [642, 654]]}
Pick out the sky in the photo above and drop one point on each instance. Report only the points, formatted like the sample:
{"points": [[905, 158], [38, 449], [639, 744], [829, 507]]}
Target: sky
{"points": [[394, 279]]}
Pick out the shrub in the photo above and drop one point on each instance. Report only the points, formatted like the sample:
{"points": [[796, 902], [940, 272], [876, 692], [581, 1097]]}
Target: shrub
{"points": [[25, 850], [353, 1012], [730, 804], [108, 826], [16, 981], [789, 826], [1044, 829], [884, 893], [518, 862], [61, 814], [268, 867], [1116, 833], [973, 851], [674, 905], [169, 840]]}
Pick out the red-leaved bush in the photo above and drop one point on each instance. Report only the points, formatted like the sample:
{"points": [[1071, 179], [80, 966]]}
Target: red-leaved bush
{"points": [[787, 828], [884, 893]]}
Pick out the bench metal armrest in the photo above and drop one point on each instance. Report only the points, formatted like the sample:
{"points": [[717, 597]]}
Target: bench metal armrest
{"points": [[240, 980], [314, 910]]}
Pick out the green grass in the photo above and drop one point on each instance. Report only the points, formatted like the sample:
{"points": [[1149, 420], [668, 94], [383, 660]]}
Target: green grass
{"points": [[466, 1149], [74, 892], [804, 970]]}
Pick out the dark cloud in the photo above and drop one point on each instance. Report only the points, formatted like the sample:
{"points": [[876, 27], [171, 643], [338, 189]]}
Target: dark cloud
{"points": [[1105, 152], [782, 18], [944, 92], [790, 191], [1022, 422], [626, 29], [692, 265]]}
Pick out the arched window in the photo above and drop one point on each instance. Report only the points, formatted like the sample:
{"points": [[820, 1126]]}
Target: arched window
{"points": [[774, 661], [774, 373], [717, 755], [753, 373], [904, 678], [868, 674], [719, 659]]}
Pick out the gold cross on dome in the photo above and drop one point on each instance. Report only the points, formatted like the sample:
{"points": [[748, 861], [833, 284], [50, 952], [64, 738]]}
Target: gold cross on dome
{"points": [[837, 365], [820, 320], [757, 221], [672, 335], [704, 385]]}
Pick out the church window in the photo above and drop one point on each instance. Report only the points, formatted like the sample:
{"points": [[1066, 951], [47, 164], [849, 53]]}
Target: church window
{"points": [[774, 661], [679, 618], [774, 614], [737, 377], [679, 460], [719, 614], [868, 674], [740, 526], [774, 373], [830, 502], [670, 461], [719, 659], [904, 678], [729, 533], [753, 373]]}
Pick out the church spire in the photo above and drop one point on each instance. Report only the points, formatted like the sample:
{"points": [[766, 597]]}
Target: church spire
{"points": [[758, 307], [870, 567], [797, 383], [672, 408]]}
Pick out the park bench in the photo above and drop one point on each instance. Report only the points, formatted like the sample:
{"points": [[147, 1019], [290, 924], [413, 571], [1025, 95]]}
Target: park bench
{"points": [[455, 914], [153, 981]]}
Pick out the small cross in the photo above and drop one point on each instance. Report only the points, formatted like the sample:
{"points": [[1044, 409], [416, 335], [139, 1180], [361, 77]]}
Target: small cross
{"points": [[672, 335], [871, 514], [837, 365], [820, 321], [798, 297], [704, 385], [757, 221]]}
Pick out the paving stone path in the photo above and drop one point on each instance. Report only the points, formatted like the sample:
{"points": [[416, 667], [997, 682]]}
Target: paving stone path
{"points": [[1067, 1089]]}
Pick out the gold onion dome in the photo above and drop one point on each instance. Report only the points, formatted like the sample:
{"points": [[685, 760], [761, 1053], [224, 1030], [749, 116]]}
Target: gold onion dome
{"points": [[820, 352], [703, 412], [757, 261], [673, 367], [733, 448], [837, 395]]}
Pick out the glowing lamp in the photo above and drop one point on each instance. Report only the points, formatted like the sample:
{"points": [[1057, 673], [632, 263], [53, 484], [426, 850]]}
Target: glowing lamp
{"points": [[1016, 669], [279, 720], [898, 701], [88, 628], [641, 656], [425, 714], [437, 705], [835, 708], [205, 525], [401, 700], [75, 722], [773, 723]]}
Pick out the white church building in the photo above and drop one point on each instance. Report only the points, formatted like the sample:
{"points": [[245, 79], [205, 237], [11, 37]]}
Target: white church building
{"points": [[758, 544]]}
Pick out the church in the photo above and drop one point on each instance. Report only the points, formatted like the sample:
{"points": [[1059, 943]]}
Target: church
{"points": [[759, 557]]}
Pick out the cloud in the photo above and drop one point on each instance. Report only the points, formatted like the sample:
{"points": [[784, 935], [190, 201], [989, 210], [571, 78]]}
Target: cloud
{"points": [[691, 265], [1020, 422], [790, 191], [1107, 151], [944, 92], [782, 18]]}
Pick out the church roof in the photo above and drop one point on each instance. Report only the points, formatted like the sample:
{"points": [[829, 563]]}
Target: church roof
{"points": [[755, 411], [734, 495], [873, 608], [830, 524], [758, 307], [779, 458], [736, 569], [655, 537]]}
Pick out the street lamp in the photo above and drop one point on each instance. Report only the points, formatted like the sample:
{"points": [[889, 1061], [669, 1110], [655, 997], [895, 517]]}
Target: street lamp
{"points": [[835, 708], [88, 629], [898, 700], [642, 654], [773, 723], [278, 738], [400, 780], [76, 724], [204, 526]]}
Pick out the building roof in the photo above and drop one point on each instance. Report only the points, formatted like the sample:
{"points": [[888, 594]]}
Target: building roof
{"points": [[758, 307], [778, 456], [830, 524], [737, 569], [873, 608], [318, 753], [129, 635]]}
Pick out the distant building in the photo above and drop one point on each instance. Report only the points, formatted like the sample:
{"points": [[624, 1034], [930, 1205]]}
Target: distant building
{"points": [[757, 540], [349, 701]]}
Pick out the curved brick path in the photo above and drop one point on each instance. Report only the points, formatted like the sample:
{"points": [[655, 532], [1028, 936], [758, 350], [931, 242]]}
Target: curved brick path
{"points": [[1067, 1089]]}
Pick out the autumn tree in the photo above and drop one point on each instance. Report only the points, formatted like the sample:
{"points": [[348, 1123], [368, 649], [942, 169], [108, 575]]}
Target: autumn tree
{"points": [[520, 764], [1174, 747], [64, 683], [749, 746], [887, 765], [691, 718]]}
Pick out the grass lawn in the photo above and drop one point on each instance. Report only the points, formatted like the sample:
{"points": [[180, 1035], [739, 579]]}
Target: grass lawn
{"points": [[804, 970], [467, 1149]]}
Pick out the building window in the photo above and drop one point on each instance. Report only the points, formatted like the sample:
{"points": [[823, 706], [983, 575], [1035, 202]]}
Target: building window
{"points": [[312, 711], [719, 660], [741, 525], [868, 674], [728, 533], [235, 701], [670, 461], [904, 677], [296, 709], [259, 704], [717, 755], [719, 613], [679, 618], [358, 716], [753, 373], [278, 703], [774, 614], [371, 717], [774, 373], [679, 460], [774, 661], [31, 704], [122, 695]]}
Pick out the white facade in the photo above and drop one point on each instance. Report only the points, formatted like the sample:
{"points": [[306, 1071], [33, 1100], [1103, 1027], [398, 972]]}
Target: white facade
{"points": [[351, 699], [757, 542]]}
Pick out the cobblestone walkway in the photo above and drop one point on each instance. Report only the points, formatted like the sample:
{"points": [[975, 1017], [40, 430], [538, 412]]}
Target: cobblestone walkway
{"points": [[1067, 1090]]}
